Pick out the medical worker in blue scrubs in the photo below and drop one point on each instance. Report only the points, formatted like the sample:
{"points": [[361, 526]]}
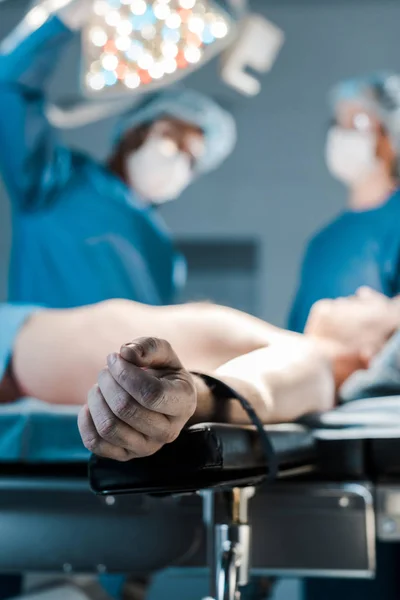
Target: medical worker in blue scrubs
{"points": [[361, 247], [84, 232]]}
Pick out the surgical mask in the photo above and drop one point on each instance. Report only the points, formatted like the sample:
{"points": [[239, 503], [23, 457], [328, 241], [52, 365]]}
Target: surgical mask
{"points": [[350, 154], [158, 171]]}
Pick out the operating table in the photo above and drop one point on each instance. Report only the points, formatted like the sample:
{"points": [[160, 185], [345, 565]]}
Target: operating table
{"points": [[205, 499]]}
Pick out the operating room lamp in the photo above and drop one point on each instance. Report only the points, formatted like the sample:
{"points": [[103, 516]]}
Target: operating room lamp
{"points": [[142, 45], [130, 47]]}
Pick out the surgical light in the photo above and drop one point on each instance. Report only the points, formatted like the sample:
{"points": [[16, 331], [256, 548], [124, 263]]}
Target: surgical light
{"points": [[98, 36], [96, 81], [192, 54], [218, 28], [170, 65], [112, 18], [161, 11], [109, 62], [148, 32], [125, 27], [169, 50], [123, 44], [173, 20], [145, 61], [129, 44], [132, 80], [138, 7], [195, 24]]}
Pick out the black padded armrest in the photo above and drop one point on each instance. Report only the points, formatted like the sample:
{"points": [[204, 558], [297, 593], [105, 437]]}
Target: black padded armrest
{"points": [[359, 440], [205, 456]]}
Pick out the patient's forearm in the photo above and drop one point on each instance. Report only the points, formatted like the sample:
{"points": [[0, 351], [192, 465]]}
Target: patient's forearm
{"points": [[206, 336], [58, 354], [282, 382]]}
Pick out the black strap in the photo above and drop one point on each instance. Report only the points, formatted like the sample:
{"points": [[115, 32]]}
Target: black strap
{"points": [[223, 391]]}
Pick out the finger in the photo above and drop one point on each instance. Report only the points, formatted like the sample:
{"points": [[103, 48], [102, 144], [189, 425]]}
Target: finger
{"points": [[172, 397], [151, 352], [366, 293], [322, 307], [154, 425], [93, 442], [114, 431]]}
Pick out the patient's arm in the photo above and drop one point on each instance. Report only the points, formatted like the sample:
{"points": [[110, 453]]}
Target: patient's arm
{"points": [[58, 353], [362, 323], [145, 396], [290, 378]]}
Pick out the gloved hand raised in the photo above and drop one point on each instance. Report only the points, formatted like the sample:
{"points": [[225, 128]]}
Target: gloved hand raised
{"points": [[73, 13], [142, 400]]}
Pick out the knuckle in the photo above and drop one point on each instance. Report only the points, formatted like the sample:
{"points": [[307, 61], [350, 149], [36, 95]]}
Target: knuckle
{"points": [[152, 393], [150, 344], [190, 387], [123, 375], [171, 435], [126, 455], [192, 403], [165, 433], [189, 394], [90, 443], [166, 345], [150, 448], [107, 429], [124, 406]]}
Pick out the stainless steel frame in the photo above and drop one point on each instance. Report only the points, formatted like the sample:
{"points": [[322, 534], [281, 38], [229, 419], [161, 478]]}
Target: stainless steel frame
{"points": [[388, 512]]}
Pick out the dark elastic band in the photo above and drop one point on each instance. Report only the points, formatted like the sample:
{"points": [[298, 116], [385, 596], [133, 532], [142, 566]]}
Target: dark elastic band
{"points": [[223, 391]]}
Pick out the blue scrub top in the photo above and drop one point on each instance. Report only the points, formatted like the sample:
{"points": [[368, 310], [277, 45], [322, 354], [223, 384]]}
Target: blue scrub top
{"points": [[357, 249], [79, 235], [12, 317]]}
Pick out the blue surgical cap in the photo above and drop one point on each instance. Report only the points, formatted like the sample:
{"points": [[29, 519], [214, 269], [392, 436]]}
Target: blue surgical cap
{"points": [[217, 124], [379, 93]]}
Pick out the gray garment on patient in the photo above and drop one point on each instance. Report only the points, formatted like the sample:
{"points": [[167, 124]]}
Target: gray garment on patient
{"points": [[381, 379]]}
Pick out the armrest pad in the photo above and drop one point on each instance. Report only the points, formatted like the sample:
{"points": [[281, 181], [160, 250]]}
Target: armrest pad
{"points": [[204, 456]]}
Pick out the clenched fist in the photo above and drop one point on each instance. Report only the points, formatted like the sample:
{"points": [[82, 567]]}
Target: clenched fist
{"points": [[143, 399]]}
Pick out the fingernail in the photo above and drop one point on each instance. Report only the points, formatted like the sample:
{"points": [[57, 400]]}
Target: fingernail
{"points": [[111, 359], [136, 347]]}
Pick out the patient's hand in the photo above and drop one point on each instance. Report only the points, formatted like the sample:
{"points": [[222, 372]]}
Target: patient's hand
{"points": [[143, 399], [361, 324]]}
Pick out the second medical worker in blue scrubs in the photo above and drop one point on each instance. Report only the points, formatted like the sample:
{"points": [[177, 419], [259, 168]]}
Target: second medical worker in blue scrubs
{"points": [[361, 247], [84, 232]]}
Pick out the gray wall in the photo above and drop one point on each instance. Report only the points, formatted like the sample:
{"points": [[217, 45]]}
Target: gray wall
{"points": [[275, 187]]}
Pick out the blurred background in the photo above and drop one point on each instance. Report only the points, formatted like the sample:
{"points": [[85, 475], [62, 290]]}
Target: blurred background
{"points": [[243, 227]]}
